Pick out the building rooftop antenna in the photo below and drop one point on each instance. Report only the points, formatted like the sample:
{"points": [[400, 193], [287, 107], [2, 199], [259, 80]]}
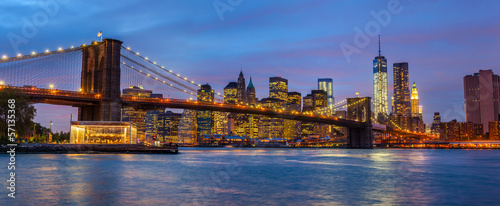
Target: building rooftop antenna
{"points": [[379, 53]]}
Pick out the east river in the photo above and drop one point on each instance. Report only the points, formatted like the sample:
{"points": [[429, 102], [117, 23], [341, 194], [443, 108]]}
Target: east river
{"points": [[232, 176]]}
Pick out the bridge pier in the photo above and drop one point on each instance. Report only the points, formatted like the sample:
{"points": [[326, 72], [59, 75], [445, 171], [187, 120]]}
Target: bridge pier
{"points": [[101, 75], [360, 138]]}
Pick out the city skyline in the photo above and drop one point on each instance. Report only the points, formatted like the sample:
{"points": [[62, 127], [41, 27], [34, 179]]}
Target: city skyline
{"points": [[198, 39]]}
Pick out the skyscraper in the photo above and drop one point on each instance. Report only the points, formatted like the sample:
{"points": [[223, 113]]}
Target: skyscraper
{"points": [[230, 93], [380, 95], [401, 108], [253, 119], [204, 118], [251, 99], [292, 127], [278, 88], [435, 123], [241, 96], [481, 94], [415, 111], [326, 84]]}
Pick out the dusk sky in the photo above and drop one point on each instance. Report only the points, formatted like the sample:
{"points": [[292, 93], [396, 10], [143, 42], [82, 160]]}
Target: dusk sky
{"points": [[300, 40]]}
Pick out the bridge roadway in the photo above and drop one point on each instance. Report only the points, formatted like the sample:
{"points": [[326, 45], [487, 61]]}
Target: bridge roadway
{"points": [[73, 98]]}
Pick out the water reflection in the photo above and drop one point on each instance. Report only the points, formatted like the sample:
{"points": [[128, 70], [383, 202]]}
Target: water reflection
{"points": [[238, 176]]}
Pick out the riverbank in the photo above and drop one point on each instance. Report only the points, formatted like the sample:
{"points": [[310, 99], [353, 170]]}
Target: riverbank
{"points": [[89, 149]]}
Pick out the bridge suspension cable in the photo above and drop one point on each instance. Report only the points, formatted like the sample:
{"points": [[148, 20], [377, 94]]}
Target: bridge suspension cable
{"points": [[156, 79], [169, 71], [157, 73], [58, 69]]}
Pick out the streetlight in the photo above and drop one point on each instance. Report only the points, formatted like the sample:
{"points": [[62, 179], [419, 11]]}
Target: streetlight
{"points": [[50, 132]]}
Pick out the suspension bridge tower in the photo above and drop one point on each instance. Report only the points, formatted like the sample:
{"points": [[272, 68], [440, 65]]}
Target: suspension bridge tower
{"points": [[101, 75], [359, 109]]}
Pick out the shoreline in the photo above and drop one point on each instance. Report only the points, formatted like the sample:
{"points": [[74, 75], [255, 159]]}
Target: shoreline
{"points": [[141, 149]]}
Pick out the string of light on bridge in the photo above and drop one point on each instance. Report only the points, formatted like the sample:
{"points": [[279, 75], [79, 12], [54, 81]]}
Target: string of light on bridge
{"points": [[163, 68], [35, 54]]}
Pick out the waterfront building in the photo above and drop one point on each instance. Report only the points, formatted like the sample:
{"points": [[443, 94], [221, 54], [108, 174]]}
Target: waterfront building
{"points": [[204, 118], [494, 127], [278, 88], [136, 116], [100, 132], [481, 94], [380, 93], [460, 131], [401, 105], [152, 124], [326, 84], [168, 126]]}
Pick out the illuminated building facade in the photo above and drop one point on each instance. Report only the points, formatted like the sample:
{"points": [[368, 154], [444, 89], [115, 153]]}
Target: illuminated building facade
{"points": [[136, 116], [89, 132], [435, 123], [414, 101], [460, 131], [241, 93], [168, 126], [326, 84], [307, 128], [321, 107], [204, 118], [271, 127], [253, 119], [316, 103], [251, 99], [278, 88], [401, 104], [152, 124], [320, 99], [494, 127], [187, 127], [292, 127], [230, 93], [481, 94], [380, 94], [416, 111], [241, 121]]}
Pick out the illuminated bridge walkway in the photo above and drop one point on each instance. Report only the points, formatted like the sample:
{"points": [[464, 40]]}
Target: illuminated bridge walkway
{"points": [[91, 77]]}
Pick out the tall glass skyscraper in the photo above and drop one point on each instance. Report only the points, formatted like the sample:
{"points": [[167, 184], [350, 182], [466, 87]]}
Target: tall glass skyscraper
{"points": [[380, 95], [401, 106], [326, 84]]}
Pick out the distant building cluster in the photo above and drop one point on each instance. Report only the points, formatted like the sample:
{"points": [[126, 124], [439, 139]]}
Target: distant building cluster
{"points": [[201, 126]]}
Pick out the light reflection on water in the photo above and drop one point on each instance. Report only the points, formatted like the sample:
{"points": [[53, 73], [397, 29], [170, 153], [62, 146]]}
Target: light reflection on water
{"points": [[202, 176]]}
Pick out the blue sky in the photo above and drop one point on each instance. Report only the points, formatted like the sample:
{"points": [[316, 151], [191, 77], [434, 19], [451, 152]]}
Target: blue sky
{"points": [[300, 40]]}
